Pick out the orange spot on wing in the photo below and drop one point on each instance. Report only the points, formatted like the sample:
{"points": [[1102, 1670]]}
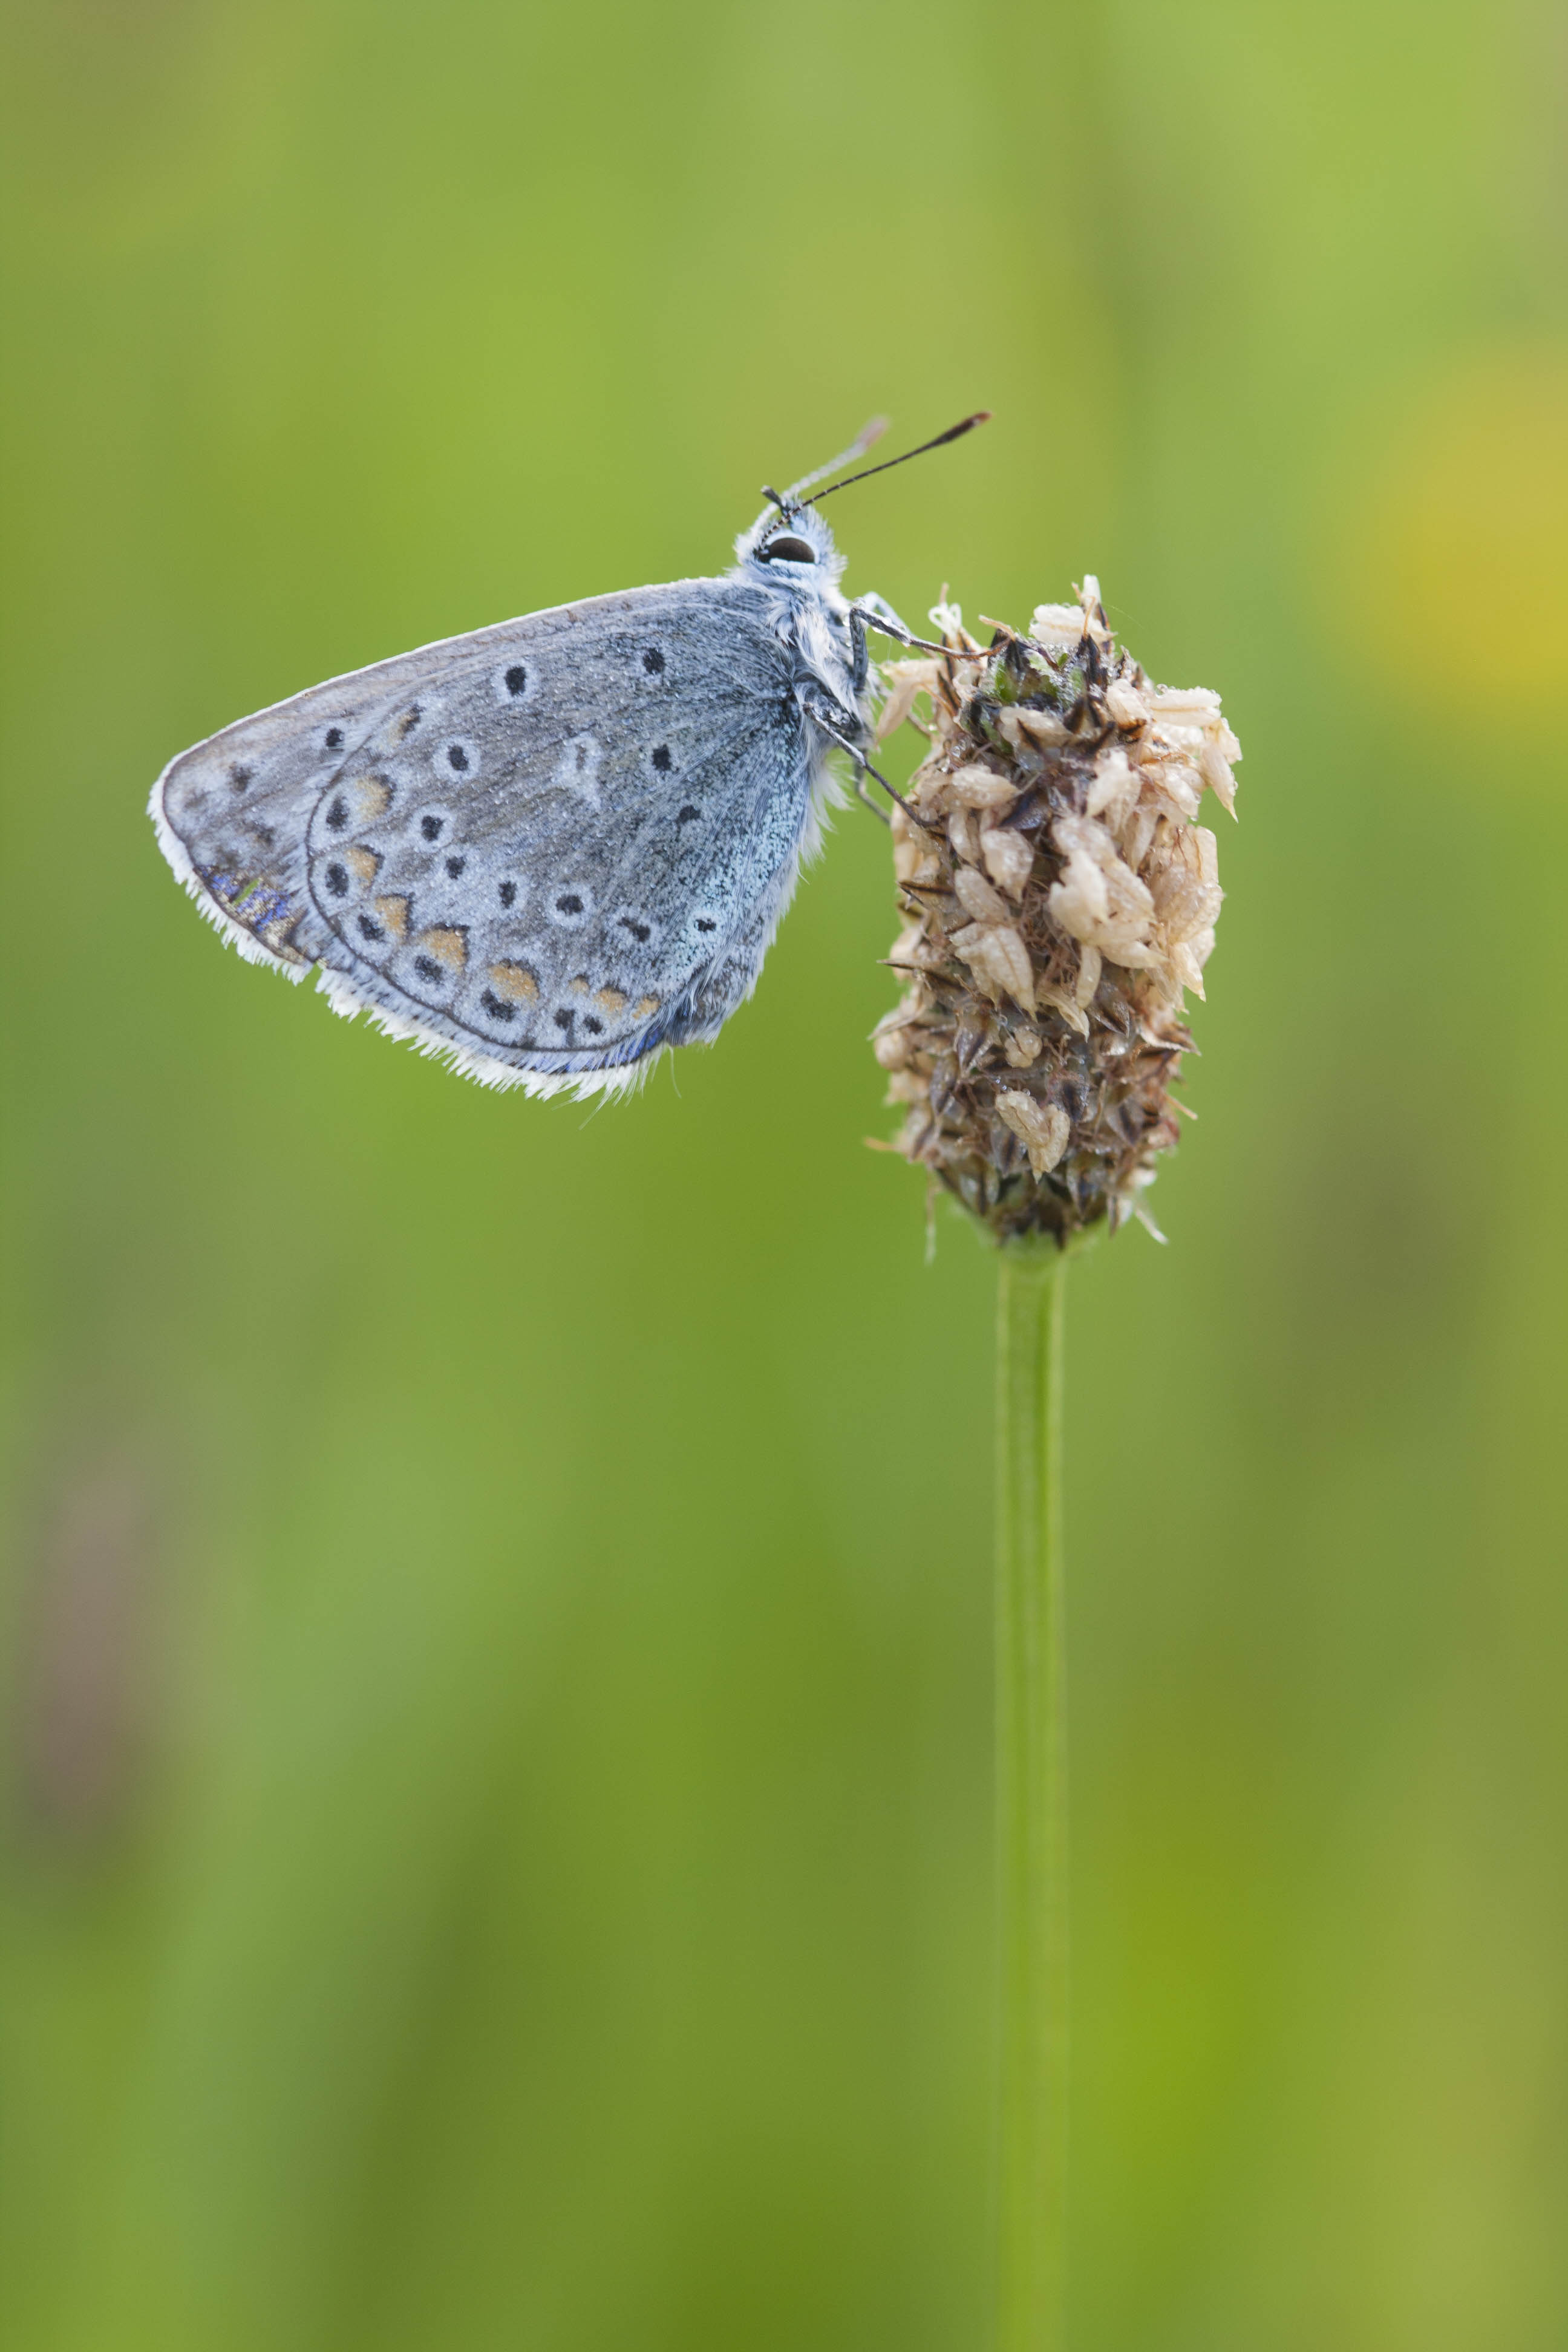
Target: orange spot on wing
{"points": [[372, 795], [448, 945], [515, 980]]}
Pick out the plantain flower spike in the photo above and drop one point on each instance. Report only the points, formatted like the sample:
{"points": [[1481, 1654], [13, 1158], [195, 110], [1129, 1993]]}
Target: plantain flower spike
{"points": [[1060, 899]]}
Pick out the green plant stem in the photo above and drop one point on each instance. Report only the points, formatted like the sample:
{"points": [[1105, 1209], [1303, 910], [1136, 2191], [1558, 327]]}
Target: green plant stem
{"points": [[1031, 1803]]}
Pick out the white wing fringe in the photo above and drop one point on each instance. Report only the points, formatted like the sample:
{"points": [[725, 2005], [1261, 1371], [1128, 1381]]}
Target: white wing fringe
{"points": [[483, 1068]]}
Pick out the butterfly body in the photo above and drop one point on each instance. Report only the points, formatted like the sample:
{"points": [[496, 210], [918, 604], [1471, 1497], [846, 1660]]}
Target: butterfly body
{"points": [[547, 849]]}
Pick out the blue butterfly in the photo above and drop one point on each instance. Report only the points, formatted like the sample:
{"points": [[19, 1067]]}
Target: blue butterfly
{"points": [[549, 849]]}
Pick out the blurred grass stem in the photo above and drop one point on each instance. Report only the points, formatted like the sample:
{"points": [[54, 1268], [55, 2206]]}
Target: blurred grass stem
{"points": [[1031, 1801]]}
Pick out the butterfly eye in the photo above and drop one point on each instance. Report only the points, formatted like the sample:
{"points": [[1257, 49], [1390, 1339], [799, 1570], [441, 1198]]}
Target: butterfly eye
{"points": [[788, 549]]}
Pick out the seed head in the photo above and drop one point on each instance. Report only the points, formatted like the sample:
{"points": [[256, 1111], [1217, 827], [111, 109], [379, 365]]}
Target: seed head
{"points": [[1060, 899]]}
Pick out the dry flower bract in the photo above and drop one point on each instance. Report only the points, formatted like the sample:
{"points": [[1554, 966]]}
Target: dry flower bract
{"points": [[1060, 899]]}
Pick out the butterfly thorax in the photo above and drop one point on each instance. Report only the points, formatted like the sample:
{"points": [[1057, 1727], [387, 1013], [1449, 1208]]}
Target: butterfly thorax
{"points": [[789, 554]]}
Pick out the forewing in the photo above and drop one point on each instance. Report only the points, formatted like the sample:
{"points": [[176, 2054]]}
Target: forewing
{"points": [[547, 848]]}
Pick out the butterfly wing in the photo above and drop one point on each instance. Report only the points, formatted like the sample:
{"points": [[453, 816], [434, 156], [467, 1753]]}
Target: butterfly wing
{"points": [[545, 849]]}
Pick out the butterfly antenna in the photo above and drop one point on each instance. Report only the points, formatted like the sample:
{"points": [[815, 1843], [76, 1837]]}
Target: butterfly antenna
{"points": [[953, 433], [868, 437]]}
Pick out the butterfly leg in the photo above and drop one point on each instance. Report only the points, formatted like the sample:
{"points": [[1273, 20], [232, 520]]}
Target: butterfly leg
{"points": [[822, 706], [863, 768], [862, 795], [871, 612], [876, 613]]}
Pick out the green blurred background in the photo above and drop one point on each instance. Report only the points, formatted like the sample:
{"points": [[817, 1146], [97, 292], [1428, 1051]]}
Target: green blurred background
{"points": [[498, 1778]]}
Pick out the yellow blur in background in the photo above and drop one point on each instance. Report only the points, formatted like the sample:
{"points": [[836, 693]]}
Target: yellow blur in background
{"points": [[497, 1768]]}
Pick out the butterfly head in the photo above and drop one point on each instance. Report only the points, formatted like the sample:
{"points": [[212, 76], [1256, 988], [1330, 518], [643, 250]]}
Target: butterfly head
{"points": [[790, 542]]}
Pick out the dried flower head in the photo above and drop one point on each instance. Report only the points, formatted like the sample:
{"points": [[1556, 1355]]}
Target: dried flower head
{"points": [[1059, 898]]}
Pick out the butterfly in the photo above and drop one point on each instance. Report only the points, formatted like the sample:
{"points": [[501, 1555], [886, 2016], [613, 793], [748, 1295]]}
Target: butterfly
{"points": [[548, 850]]}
